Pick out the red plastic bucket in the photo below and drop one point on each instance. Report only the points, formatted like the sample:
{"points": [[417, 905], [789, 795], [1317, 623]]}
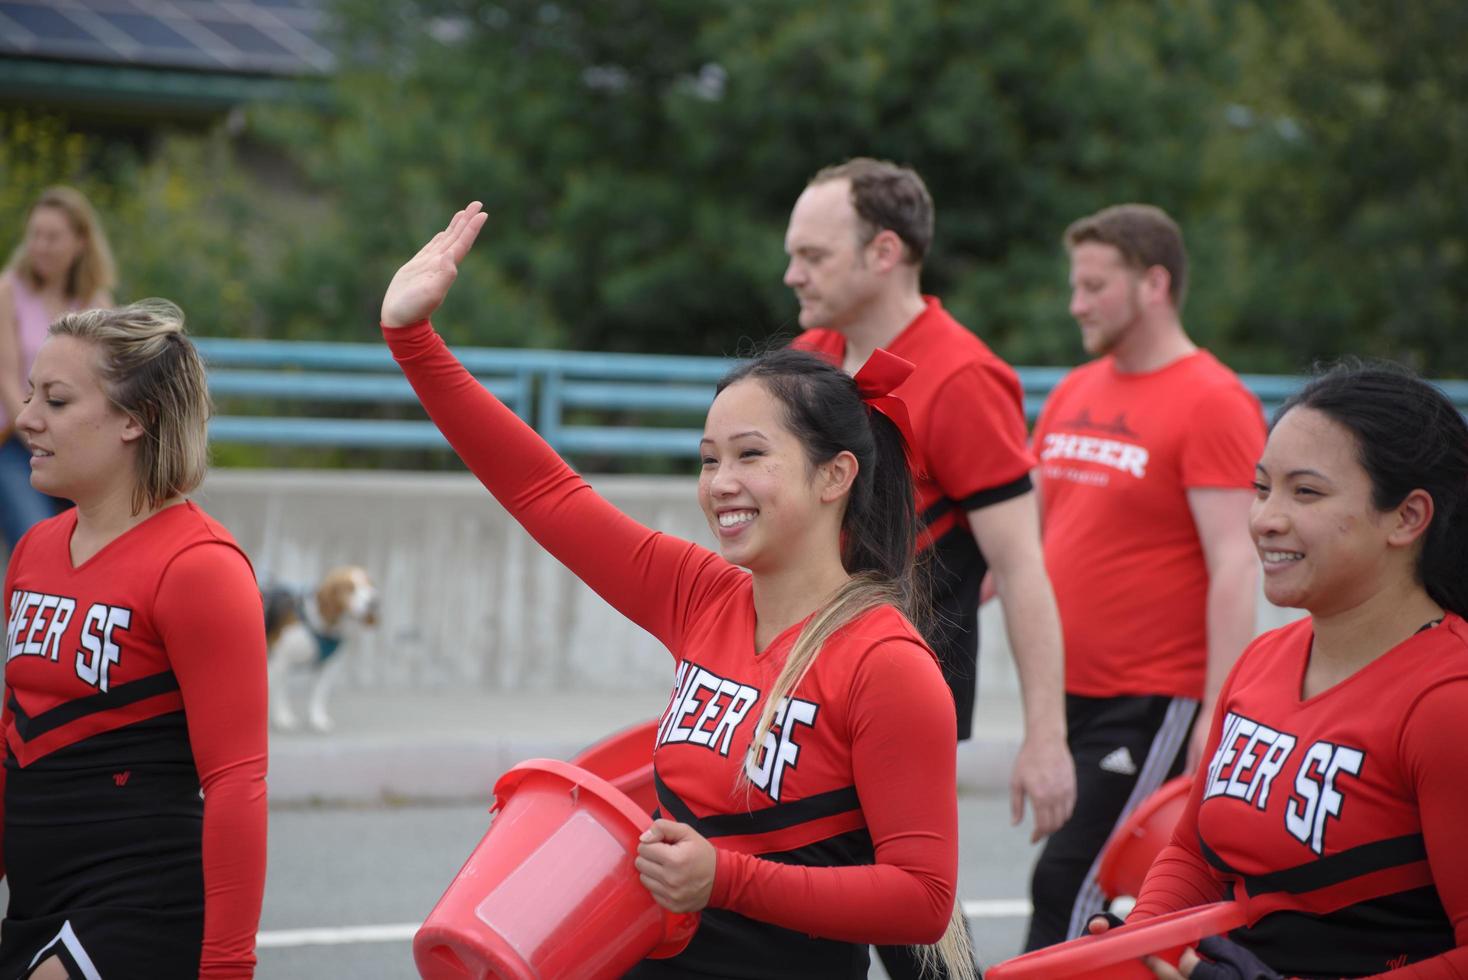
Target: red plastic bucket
{"points": [[1117, 953], [550, 891], [1136, 843], [624, 759]]}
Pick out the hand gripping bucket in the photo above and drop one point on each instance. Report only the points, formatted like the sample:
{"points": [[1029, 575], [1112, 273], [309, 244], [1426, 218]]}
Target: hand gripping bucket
{"points": [[624, 759], [1117, 953], [1141, 837], [550, 892]]}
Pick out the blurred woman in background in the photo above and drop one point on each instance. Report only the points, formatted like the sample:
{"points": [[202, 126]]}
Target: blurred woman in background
{"points": [[62, 265]]}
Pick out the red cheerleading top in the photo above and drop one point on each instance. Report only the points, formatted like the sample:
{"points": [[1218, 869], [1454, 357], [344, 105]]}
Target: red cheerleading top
{"points": [[163, 624], [855, 794], [1118, 454], [1340, 815]]}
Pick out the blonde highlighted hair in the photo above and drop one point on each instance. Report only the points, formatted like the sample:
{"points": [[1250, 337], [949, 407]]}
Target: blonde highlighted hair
{"points": [[952, 956], [94, 270], [152, 373]]}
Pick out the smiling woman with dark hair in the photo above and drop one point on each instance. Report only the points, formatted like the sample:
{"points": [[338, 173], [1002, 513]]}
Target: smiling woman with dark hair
{"points": [[806, 758], [1336, 792]]}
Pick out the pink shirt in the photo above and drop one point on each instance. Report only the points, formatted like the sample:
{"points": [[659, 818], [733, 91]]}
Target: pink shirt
{"points": [[31, 323]]}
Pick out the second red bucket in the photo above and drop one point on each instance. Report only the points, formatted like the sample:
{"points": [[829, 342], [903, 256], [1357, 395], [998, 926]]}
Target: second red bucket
{"points": [[624, 759], [551, 891], [1134, 845]]}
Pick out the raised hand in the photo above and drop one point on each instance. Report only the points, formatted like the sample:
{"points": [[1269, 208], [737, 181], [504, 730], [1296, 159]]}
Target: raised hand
{"points": [[419, 287]]}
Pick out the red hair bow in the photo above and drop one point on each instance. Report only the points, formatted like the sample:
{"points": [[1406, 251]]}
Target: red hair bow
{"points": [[875, 382]]}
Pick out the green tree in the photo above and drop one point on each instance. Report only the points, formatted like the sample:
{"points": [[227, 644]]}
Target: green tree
{"points": [[1350, 183], [639, 158]]}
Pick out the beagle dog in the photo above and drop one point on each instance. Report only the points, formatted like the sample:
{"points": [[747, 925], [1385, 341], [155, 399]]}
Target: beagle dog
{"points": [[308, 632]]}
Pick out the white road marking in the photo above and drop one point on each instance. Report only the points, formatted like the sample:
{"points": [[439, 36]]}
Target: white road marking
{"points": [[997, 908], [336, 936], [992, 908]]}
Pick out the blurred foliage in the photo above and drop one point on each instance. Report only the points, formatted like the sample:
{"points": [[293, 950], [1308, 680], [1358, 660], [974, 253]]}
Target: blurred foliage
{"points": [[639, 159]]}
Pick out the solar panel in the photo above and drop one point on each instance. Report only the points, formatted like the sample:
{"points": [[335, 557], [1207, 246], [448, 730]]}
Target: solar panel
{"points": [[45, 23], [266, 37], [150, 32], [246, 38]]}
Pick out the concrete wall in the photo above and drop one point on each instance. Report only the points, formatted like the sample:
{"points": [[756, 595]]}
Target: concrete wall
{"points": [[468, 597], [469, 600]]}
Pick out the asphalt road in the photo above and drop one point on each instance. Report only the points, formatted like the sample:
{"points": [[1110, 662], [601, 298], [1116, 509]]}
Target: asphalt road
{"points": [[360, 880], [346, 887]]}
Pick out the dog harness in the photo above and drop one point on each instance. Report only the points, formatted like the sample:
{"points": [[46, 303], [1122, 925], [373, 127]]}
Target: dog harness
{"points": [[326, 643], [278, 600]]}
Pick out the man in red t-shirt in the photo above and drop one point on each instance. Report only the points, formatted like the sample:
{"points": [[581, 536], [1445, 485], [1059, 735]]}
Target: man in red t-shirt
{"points": [[856, 240], [1146, 475]]}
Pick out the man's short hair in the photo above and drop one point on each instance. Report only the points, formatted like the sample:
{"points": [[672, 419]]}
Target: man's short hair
{"points": [[1144, 235], [887, 196]]}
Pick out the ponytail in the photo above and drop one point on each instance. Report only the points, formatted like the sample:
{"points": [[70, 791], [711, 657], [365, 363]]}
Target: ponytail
{"points": [[953, 955]]}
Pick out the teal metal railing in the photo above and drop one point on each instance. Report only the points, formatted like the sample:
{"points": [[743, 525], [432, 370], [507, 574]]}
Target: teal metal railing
{"points": [[580, 402]]}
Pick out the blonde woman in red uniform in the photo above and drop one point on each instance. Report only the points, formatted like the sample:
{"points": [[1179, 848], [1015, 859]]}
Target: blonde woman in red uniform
{"points": [[133, 728]]}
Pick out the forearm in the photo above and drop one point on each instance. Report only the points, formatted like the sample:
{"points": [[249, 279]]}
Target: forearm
{"points": [[903, 762], [879, 903], [634, 568], [1178, 879], [1032, 622], [1232, 589], [235, 819]]}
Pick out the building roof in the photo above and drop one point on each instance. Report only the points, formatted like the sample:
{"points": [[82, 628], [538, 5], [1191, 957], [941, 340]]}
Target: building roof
{"points": [[160, 55], [254, 37]]}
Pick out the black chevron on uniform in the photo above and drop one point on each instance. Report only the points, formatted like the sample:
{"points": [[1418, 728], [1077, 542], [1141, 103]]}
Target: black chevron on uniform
{"points": [[119, 696], [1364, 859], [762, 821]]}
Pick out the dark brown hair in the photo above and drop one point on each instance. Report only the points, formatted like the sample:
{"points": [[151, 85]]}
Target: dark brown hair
{"points": [[1409, 436], [1144, 235], [887, 196]]}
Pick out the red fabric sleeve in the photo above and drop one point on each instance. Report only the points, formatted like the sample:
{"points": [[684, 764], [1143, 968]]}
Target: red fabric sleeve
{"points": [[1179, 877], [1224, 440], [975, 437], [652, 578], [1435, 761], [209, 617], [903, 761]]}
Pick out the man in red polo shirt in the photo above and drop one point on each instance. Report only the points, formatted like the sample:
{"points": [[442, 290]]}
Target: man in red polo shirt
{"points": [[856, 240]]}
